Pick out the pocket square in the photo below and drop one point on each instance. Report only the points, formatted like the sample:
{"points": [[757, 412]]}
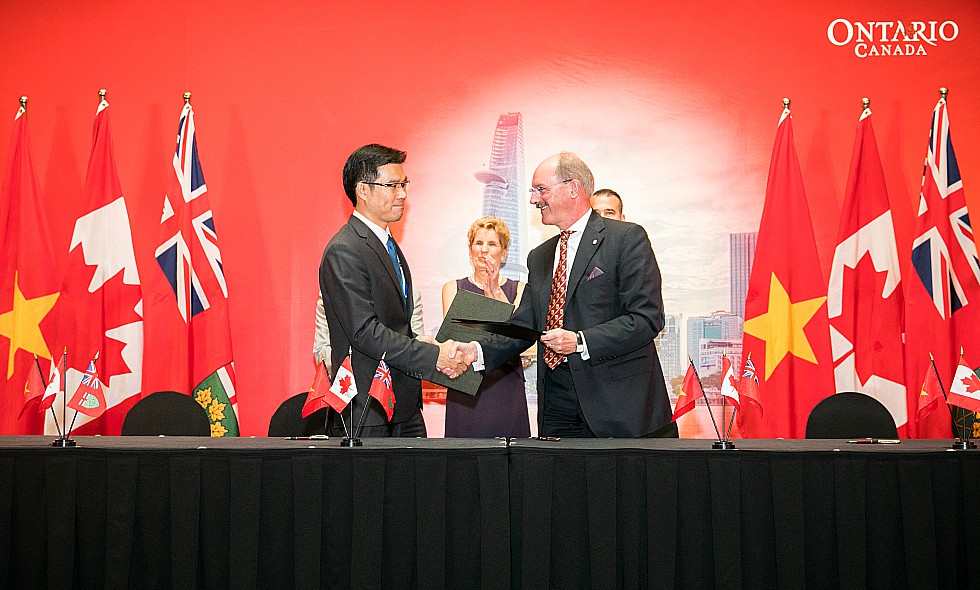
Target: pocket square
{"points": [[595, 273]]}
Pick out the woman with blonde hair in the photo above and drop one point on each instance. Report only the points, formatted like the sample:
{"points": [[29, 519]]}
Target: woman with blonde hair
{"points": [[499, 408]]}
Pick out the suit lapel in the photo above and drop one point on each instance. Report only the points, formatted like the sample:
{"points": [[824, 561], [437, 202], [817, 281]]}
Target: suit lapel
{"points": [[591, 240]]}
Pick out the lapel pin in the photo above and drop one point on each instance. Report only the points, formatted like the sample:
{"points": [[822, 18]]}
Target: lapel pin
{"points": [[594, 242]]}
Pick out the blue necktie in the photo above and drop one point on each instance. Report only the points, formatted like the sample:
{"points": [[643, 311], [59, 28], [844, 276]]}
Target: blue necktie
{"points": [[394, 260]]}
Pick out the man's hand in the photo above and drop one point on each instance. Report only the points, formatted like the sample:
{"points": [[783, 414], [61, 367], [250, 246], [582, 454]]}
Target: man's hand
{"points": [[427, 339], [559, 340], [450, 362]]}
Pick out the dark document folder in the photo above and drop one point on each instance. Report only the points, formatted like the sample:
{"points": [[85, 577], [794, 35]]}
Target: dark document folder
{"points": [[473, 308]]}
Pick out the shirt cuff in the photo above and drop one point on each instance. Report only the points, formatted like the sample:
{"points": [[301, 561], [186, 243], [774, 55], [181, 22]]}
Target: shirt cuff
{"points": [[479, 364]]}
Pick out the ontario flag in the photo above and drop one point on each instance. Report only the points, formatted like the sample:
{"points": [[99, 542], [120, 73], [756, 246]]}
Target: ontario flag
{"points": [[943, 291], [786, 329], [381, 388], [190, 341], [28, 284], [690, 393], [101, 306], [89, 397], [865, 302]]}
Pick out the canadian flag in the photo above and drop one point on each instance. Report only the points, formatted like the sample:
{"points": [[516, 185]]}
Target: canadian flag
{"points": [[965, 389], [337, 396], [729, 382]]}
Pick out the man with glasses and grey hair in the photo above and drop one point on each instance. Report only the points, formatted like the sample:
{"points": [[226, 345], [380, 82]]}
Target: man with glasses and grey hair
{"points": [[594, 292], [367, 294]]}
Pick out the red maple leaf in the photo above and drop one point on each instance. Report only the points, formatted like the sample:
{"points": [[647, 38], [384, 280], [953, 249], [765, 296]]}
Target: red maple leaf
{"points": [[732, 382], [972, 383], [344, 384]]}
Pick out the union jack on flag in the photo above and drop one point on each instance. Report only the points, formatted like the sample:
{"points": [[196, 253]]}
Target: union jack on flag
{"points": [[89, 398], [944, 254], [749, 371], [383, 374], [189, 255]]}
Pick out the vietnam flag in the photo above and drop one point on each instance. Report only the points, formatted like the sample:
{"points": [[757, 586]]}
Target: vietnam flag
{"points": [[34, 388], [101, 307], [28, 284], [690, 393], [786, 329], [930, 394], [865, 301], [381, 388]]}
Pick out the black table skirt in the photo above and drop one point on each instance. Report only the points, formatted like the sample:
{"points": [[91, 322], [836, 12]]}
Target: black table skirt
{"points": [[253, 513], [773, 514], [267, 513]]}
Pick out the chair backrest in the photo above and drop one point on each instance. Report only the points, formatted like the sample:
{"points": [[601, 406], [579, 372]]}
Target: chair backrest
{"points": [[288, 419], [169, 413], [850, 415]]}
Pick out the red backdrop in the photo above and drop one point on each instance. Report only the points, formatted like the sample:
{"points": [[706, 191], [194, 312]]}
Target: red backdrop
{"points": [[678, 102]]}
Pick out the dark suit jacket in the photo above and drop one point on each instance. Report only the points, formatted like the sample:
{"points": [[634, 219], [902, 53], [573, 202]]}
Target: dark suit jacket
{"points": [[367, 314], [614, 298]]}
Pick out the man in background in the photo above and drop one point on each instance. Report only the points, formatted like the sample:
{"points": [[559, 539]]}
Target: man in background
{"points": [[607, 203]]}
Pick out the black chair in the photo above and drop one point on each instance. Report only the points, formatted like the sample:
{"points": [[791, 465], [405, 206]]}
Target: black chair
{"points": [[288, 419], [850, 415], [168, 413]]}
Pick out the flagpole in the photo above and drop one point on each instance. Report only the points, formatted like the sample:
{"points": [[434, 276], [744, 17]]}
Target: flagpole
{"points": [[63, 441], [66, 394], [326, 419], [360, 423], [707, 402], [959, 444], [45, 385], [723, 398]]}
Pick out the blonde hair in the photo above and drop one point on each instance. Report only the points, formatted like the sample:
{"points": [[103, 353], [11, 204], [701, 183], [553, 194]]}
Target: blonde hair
{"points": [[490, 222]]}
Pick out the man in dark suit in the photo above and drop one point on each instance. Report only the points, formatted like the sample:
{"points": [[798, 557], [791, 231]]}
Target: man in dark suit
{"points": [[366, 286], [594, 290]]}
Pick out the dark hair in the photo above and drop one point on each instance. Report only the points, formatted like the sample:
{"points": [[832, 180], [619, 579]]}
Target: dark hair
{"points": [[363, 164], [608, 192]]}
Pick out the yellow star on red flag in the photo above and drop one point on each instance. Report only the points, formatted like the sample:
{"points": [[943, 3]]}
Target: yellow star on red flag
{"points": [[21, 325], [781, 327]]}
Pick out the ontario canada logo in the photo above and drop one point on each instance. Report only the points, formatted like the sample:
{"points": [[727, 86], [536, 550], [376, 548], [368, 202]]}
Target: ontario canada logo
{"points": [[890, 38]]}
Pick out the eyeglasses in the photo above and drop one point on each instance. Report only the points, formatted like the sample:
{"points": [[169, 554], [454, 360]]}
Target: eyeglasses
{"points": [[540, 190], [392, 185]]}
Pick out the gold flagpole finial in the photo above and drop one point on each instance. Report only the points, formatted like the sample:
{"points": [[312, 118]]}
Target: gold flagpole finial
{"points": [[786, 102], [101, 94], [865, 103], [187, 98], [23, 102], [943, 91]]}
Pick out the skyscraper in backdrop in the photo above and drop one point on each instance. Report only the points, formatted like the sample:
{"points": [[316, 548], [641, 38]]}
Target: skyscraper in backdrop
{"points": [[504, 190], [742, 251]]}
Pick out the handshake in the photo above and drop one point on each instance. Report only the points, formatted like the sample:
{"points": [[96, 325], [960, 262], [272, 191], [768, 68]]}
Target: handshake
{"points": [[454, 357]]}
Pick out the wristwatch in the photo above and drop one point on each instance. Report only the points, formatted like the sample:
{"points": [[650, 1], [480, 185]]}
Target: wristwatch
{"points": [[579, 342]]}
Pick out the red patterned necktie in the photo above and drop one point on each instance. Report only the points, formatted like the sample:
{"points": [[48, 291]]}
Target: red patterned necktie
{"points": [[556, 306]]}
